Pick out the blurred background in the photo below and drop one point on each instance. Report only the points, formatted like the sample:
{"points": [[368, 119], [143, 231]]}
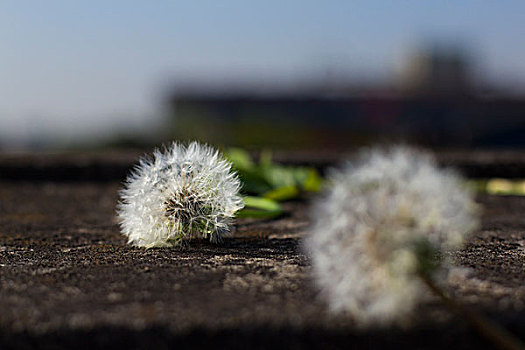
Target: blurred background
{"points": [[273, 74]]}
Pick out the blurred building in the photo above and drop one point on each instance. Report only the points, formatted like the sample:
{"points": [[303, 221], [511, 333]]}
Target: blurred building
{"points": [[434, 103], [436, 71]]}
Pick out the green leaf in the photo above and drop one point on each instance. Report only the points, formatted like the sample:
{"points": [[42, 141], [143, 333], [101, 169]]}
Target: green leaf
{"points": [[498, 186], [282, 193], [313, 181], [258, 214], [273, 181], [240, 159], [253, 182], [258, 207], [279, 176], [266, 159]]}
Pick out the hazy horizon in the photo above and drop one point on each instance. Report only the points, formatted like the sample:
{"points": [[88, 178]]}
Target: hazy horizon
{"points": [[70, 69]]}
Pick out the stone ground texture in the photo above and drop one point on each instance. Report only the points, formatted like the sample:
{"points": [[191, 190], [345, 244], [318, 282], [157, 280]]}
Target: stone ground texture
{"points": [[69, 280]]}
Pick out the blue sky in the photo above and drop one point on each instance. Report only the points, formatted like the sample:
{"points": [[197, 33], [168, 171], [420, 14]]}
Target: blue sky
{"points": [[74, 67]]}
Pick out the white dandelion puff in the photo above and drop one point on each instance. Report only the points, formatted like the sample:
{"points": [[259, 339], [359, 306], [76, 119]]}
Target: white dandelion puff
{"points": [[185, 191], [380, 222]]}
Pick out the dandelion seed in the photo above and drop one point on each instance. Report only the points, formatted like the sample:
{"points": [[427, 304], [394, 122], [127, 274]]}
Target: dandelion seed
{"points": [[185, 191], [380, 224]]}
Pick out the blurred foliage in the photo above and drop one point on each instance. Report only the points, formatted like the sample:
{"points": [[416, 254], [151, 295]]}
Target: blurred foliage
{"points": [[266, 183], [498, 186], [271, 180]]}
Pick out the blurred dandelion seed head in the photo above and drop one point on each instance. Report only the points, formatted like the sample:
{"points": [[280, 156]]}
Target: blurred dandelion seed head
{"points": [[183, 191], [382, 221]]}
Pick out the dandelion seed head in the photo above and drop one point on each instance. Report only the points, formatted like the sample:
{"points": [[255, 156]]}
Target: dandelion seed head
{"points": [[180, 192], [368, 230]]}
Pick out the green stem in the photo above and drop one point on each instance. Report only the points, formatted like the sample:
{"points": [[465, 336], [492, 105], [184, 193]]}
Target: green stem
{"points": [[499, 336]]}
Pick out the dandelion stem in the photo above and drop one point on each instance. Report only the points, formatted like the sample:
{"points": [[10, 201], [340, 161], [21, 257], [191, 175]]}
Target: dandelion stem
{"points": [[499, 336]]}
